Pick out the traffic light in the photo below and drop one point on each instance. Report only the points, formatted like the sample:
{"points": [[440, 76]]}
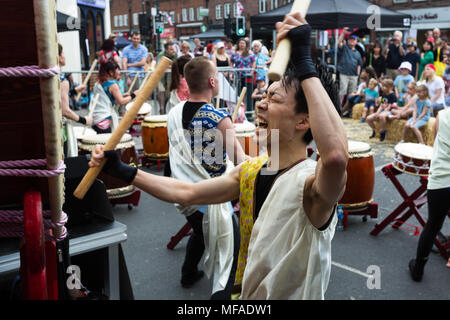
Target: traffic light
{"points": [[227, 30], [144, 25], [240, 26]]}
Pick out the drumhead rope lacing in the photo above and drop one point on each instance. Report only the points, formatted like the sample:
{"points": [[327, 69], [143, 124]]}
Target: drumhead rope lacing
{"points": [[29, 71], [11, 221], [410, 164]]}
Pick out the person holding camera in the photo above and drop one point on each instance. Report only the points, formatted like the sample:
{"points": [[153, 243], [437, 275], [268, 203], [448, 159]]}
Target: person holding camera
{"points": [[394, 51]]}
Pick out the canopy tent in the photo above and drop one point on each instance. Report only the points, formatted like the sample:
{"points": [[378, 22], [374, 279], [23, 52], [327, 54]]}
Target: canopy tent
{"points": [[212, 34], [335, 14]]}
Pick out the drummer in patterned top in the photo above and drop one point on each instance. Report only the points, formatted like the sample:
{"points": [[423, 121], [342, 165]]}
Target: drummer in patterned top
{"points": [[287, 200]]}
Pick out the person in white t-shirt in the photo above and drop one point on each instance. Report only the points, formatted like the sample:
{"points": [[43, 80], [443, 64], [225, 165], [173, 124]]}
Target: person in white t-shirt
{"points": [[438, 194], [436, 88]]}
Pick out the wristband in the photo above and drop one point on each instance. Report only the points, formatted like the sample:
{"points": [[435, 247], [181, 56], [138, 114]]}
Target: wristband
{"points": [[300, 38], [132, 95], [82, 120]]}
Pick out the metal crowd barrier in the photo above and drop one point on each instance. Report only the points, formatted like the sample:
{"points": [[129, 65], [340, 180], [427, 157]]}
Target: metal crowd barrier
{"points": [[231, 82]]}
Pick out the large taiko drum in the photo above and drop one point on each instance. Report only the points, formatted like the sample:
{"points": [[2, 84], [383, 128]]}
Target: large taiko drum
{"points": [[154, 137], [360, 177], [81, 132], [143, 112], [115, 188], [412, 158], [245, 133]]}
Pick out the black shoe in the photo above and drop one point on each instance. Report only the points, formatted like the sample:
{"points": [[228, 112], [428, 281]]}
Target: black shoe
{"points": [[416, 267], [189, 281], [382, 135], [373, 135]]}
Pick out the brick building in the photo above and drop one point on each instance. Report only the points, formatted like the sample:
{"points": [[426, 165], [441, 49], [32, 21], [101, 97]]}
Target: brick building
{"points": [[185, 16]]}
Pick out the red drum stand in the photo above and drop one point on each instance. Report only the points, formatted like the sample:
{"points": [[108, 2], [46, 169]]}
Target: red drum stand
{"points": [[185, 231], [38, 257], [411, 203]]}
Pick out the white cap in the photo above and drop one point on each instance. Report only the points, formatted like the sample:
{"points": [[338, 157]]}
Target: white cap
{"points": [[220, 45], [405, 65]]}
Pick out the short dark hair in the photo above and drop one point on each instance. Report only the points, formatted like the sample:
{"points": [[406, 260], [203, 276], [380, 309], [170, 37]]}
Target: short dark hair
{"points": [[167, 44], [135, 33], [178, 71], [290, 80], [60, 49], [196, 72]]}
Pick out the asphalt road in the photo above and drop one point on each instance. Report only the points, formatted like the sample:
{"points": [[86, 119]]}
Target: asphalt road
{"points": [[155, 271]]}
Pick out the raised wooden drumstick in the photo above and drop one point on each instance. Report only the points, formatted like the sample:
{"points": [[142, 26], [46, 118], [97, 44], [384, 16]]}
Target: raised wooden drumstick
{"points": [[87, 78], [145, 80], [124, 124], [283, 52], [132, 84], [91, 111], [238, 105]]}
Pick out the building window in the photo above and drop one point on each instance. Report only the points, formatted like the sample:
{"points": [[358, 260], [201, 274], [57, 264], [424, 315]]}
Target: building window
{"points": [[120, 21], [135, 19], [274, 4], [262, 6], [191, 14], [172, 16], [399, 1], [219, 12], [234, 9], [125, 20], [184, 15], [227, 10], [116, 21]]}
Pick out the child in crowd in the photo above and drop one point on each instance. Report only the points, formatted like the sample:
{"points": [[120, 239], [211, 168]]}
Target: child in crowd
{"points": [[388, 101], [421, 114], [401, 82], [407, 110], [356, 96], [371, 94]]}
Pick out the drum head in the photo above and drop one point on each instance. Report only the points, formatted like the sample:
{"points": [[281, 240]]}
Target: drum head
{"points": [[156, 118], [78, 131], [244, 129], [89, 142], [145, 108], [414, 150], [357, 149]]}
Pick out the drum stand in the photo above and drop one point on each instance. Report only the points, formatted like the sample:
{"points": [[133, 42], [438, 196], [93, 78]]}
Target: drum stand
{"points": [[185, 231], [370, 210], [411, 202]]}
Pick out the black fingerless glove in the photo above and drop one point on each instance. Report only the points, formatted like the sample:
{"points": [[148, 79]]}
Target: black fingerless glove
{"points": [[81, 120], [300, 38], [117, 169]]}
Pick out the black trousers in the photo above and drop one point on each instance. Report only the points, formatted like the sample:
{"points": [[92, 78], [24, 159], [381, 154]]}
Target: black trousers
{"points": [[196, 247], [438, 207]]}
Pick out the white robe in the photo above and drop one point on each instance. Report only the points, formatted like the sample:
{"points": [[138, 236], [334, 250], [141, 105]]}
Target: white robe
{"points": [[288, 258], [217, 222]]}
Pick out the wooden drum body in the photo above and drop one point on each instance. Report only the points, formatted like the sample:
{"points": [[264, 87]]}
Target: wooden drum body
{"points": [[155, 138], [115, 188], [245, 133], [360, 177]]}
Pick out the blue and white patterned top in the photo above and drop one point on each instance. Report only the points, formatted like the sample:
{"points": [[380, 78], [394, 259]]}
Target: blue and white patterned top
{"points": [[203, 131], [134, 55]]}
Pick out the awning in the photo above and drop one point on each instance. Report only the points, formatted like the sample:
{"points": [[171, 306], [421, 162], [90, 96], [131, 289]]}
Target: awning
{"points": [[335, 14], [212, 34]]}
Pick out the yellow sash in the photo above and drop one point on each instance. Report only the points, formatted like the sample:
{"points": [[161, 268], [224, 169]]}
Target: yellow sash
{"points": [[247, 176]]}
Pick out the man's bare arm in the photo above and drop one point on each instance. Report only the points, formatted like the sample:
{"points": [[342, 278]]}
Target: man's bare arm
{"points": [[209, 191], [326, 187]]}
